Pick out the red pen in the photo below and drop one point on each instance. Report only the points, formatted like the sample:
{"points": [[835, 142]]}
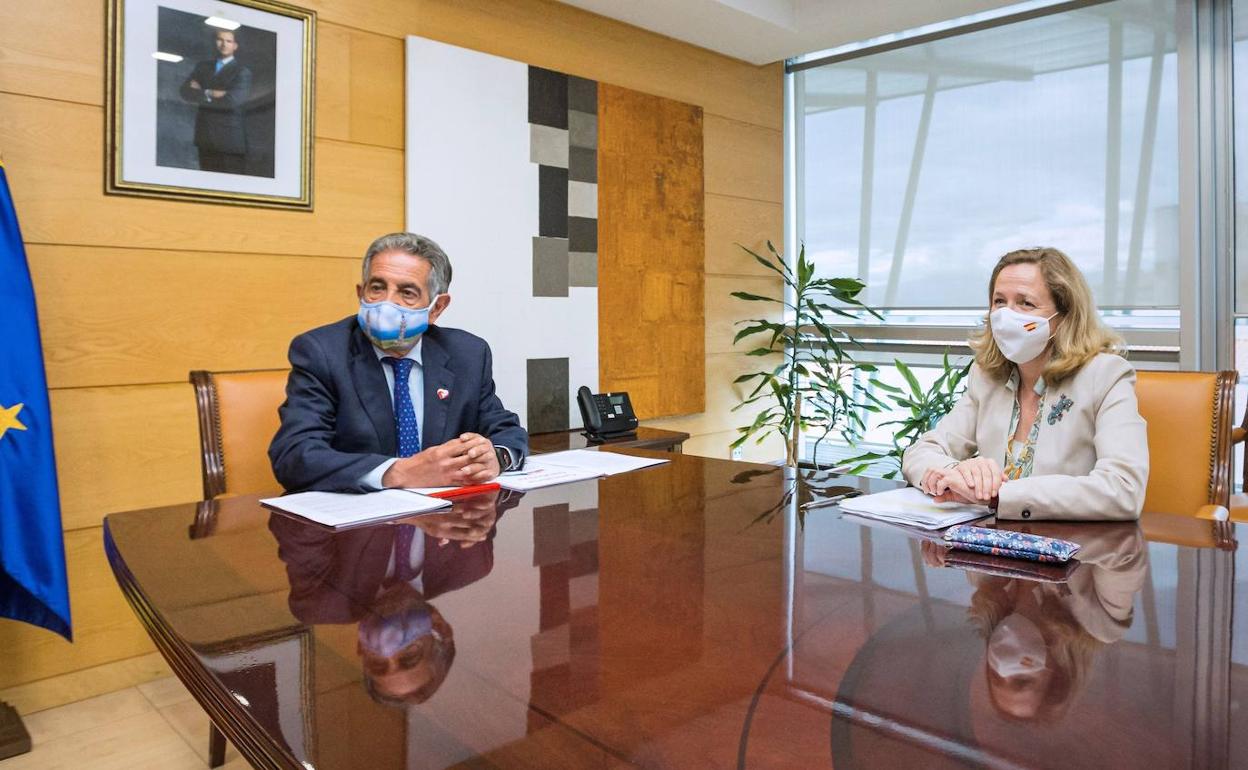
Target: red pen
{"points": [[461, 491]]}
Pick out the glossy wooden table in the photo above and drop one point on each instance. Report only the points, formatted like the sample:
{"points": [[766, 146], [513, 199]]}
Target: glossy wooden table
{"points": [[685, 616]]}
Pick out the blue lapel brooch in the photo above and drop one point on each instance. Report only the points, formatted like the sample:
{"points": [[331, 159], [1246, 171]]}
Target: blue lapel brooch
{"points": [[1060, 409]]}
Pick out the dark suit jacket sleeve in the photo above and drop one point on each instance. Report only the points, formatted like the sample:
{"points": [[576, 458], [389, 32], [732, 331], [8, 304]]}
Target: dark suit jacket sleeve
{"points": [[195, 95], [302, 452], [499, 425], [236, 94]]}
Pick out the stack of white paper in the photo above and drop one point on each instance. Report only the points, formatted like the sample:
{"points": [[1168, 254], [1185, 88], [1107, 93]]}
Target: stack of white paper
{"points": [[912, 507], [335, 509], [573, 465]]}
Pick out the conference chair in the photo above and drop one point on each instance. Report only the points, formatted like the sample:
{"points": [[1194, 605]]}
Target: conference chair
{"points": [[1190, 438], [237, 419]]}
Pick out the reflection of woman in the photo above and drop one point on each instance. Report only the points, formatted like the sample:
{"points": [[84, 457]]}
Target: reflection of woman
{"points": [[1049, 425], [1041, 637]]}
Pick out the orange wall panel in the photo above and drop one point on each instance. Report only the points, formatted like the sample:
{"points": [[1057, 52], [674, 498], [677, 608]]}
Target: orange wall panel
{"points": [[651, 325]]}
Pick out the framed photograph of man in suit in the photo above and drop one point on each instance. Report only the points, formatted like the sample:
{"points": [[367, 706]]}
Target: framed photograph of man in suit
{"points": [[211, 100]]}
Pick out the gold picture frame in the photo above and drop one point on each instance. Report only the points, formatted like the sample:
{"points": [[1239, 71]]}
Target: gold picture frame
{"points": [[245, 136]]}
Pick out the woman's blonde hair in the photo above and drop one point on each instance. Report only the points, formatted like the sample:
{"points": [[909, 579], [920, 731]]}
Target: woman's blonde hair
{"points": [[1080, 336]]}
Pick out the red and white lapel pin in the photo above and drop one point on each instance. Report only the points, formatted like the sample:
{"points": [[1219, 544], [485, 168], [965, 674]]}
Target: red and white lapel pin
{"points": [[443, 393]]}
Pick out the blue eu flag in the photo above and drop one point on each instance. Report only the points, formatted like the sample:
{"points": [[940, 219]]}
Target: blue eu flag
{"points": [[33, 587]]}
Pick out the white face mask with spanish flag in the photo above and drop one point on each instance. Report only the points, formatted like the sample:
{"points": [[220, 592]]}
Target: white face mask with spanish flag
{"points": [[1020, 337]]}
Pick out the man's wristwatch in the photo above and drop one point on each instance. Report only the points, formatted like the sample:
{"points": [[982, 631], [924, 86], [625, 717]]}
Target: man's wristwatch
{"points": [[504, 458]]}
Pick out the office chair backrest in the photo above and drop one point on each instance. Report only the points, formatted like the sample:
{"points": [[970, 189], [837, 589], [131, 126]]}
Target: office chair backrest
{"points": [[237, 420], [1189, 438]]}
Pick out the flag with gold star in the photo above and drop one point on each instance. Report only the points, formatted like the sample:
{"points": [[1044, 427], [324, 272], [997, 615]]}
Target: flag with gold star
{"points": [[33, 585]]}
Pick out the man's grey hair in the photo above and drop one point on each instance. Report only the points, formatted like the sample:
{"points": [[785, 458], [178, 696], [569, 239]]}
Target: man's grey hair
{"points": [[418, 246]]}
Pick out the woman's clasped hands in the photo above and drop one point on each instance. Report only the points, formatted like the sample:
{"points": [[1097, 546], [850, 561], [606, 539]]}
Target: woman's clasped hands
{"points": [[977, 481]]}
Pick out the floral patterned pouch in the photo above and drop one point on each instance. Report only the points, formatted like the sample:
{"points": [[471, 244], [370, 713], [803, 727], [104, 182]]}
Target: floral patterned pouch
{"points": [[1016, 545]]}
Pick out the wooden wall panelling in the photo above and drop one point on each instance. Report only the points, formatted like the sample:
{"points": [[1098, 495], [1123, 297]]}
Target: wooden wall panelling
{"points": [[744, 160], [651, 251], [53, 157], [724, 310], [333, 81], [377, 96], [60, 54], [751, 223], [131, 316], [105, 628], [721, 396], [123, 448], [556, 36], [359, 86], [53, 49]]}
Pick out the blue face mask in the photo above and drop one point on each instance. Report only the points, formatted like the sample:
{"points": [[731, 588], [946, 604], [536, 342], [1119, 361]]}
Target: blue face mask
{"points": [[387, 636], [392, 326]]}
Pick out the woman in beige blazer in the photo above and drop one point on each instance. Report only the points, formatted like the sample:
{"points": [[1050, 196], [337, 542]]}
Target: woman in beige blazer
{"points": [[1048, 427]]}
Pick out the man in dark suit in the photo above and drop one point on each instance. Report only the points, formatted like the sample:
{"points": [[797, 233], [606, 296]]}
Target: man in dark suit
{"points": [[220, 88], [385, 398]]}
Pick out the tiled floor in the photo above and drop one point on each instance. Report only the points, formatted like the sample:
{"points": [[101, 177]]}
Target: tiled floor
{"points": [[153, 725]]}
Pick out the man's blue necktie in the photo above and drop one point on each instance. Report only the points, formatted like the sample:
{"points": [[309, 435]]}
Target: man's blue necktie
{"points": [[404, 413], [220, 64], [403, 570]]}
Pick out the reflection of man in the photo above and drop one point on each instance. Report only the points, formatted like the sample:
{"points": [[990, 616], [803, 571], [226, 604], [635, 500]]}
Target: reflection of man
{"points": [[383, 577], [387, 399], [220, 87]]}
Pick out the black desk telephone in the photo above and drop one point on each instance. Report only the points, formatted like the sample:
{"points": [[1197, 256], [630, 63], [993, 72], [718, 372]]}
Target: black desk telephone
{"points": [[606, 415]]}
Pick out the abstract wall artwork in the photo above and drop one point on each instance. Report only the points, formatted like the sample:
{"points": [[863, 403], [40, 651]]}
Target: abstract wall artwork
{"points": [[504, 171]]}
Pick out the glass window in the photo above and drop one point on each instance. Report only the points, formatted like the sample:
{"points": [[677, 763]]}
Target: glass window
{"points": [[921, 166]]}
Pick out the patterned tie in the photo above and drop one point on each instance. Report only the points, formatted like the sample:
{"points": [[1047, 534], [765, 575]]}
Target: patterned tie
{"points": [[404, 412], [403, 554]]}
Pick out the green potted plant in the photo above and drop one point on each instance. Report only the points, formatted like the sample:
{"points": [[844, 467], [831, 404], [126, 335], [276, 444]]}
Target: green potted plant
{"points": [[813, 386], [922, 409]]}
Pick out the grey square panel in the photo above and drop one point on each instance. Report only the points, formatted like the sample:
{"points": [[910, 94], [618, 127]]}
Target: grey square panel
{"points": [[582, 268], [548, 146], [582, 164], [582, 234], [582, 129], [550, 267], [548, 395], [548, 97], [583, 200], [582, 95]]}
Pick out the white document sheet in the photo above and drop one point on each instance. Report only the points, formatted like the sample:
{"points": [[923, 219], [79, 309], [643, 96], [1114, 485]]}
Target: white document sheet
{"points": [[573, 465], [914, 508], [535, 476], [606, 463], [335, 509]]}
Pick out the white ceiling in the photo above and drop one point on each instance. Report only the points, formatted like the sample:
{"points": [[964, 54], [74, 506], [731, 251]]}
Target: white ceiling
{"points": [[764, 31]]}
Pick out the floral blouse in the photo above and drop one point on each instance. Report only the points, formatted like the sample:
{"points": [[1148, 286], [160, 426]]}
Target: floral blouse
{"points": [[1019, 455]]}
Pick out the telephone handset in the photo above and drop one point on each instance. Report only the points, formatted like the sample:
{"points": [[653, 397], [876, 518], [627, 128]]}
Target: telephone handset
{"points": [[606, 415]]}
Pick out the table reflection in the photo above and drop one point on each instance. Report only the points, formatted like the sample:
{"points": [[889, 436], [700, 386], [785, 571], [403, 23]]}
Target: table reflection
{"points": [[383, 578]]}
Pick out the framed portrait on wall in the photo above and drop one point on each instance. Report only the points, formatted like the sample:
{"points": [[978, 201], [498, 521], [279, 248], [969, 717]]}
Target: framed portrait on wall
{"points": [[211, 101]]}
